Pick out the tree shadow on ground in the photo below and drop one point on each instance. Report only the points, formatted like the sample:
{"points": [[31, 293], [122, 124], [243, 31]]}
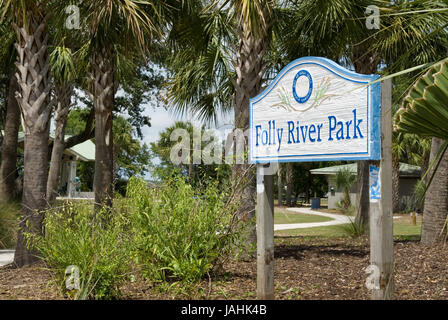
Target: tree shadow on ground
{"points": [[298, 252]]}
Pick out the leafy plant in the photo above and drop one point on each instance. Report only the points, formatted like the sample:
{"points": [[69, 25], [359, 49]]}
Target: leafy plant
{"points": [[9, 213], [425, 112], [425, 108], [345, 180], [354, 229], [96, 243], [181, 233]]}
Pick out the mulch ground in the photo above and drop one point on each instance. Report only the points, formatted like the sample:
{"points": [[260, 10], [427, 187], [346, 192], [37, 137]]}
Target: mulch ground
{"points": [[305, 268]]}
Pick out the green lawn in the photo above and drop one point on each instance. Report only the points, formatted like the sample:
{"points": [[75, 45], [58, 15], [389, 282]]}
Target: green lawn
{"points": [[403, 229], [282, 216]]}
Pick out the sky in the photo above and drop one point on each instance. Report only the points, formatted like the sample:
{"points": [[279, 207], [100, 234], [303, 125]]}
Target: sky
{"points": [[162, 119]]}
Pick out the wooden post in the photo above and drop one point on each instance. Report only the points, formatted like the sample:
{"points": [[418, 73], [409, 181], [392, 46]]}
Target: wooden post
{"points": [[381, 215], [71, 179], [265, 232]]}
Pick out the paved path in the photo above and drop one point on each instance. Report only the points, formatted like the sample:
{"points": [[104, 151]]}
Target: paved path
{"points": [[6, 257], [337, 219]]}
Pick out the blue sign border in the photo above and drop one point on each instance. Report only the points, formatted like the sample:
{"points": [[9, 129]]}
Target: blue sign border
{"points": [[373, 114]]}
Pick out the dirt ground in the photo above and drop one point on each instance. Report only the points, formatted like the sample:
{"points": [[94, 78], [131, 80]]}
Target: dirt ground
{"points": [[305, 268]]}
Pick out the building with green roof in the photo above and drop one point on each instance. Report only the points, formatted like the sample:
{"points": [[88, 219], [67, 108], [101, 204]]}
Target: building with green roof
{"points": [[68, 181], [409, 176]]}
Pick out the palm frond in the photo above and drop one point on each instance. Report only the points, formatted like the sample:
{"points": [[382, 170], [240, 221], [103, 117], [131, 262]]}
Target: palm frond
{"points": [[62, 65]]}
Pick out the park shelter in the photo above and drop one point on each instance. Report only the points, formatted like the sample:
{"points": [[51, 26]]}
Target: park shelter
{"points": [[408, 175], [84, 152]]}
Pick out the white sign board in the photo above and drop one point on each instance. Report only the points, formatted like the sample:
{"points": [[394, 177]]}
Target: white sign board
{"points": [[316, 110]]}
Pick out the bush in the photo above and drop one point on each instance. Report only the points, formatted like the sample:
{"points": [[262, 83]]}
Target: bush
{"points": [[97, 244], [182, 233], [9, 215], [353, 229]]}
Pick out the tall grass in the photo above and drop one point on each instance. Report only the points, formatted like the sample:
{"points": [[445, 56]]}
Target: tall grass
{"points": [[353, 229], [182, 233], [97, 244], [9, 215]]}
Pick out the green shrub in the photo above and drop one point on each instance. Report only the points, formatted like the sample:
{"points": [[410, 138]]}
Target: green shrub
{"points": [[9, 214], [353, 229], [97, 244], [182, 233], [345, 180]]}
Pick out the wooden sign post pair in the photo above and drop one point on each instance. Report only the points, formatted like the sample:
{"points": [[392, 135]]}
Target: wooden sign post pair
{"points": [[315, 110]]}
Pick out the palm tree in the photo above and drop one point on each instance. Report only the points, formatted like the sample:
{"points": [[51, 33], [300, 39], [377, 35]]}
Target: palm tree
{"points": [[8, 165], [116, 31], [33, 75], [424, 112], [63, 71], [338, 27], [436, 201], [280, 185], [289, 185], [345, 180], [254, 20], [223, 61]]}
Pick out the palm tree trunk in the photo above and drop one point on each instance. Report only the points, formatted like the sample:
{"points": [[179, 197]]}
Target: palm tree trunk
{"points": [[116, 154], [362, 194], [424, 167], [34, 82], [395, 184], [288, 183], [436, 201], [8, 167], [249, 70], [63, 96], [104, 100], [364, 64], [309, 183], [280, 185]]}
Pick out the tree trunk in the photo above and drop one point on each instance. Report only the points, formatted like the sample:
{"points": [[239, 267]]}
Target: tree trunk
{"points": [[33, 201], [104, 99], [362, 194], [8, 167], [364, 64], [424, 167], [309, 183], [249, 70], [436, 201], [280, 185], [116, 154], [395, 184], [34, 82], [288, 183], [87, 134], [63, 96]]}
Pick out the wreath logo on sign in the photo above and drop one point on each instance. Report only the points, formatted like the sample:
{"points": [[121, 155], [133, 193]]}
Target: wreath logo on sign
{"points": [[320, 94]]}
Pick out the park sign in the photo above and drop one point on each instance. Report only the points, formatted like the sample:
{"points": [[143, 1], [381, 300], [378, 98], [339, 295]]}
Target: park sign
{"points": [[316, 110]]}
